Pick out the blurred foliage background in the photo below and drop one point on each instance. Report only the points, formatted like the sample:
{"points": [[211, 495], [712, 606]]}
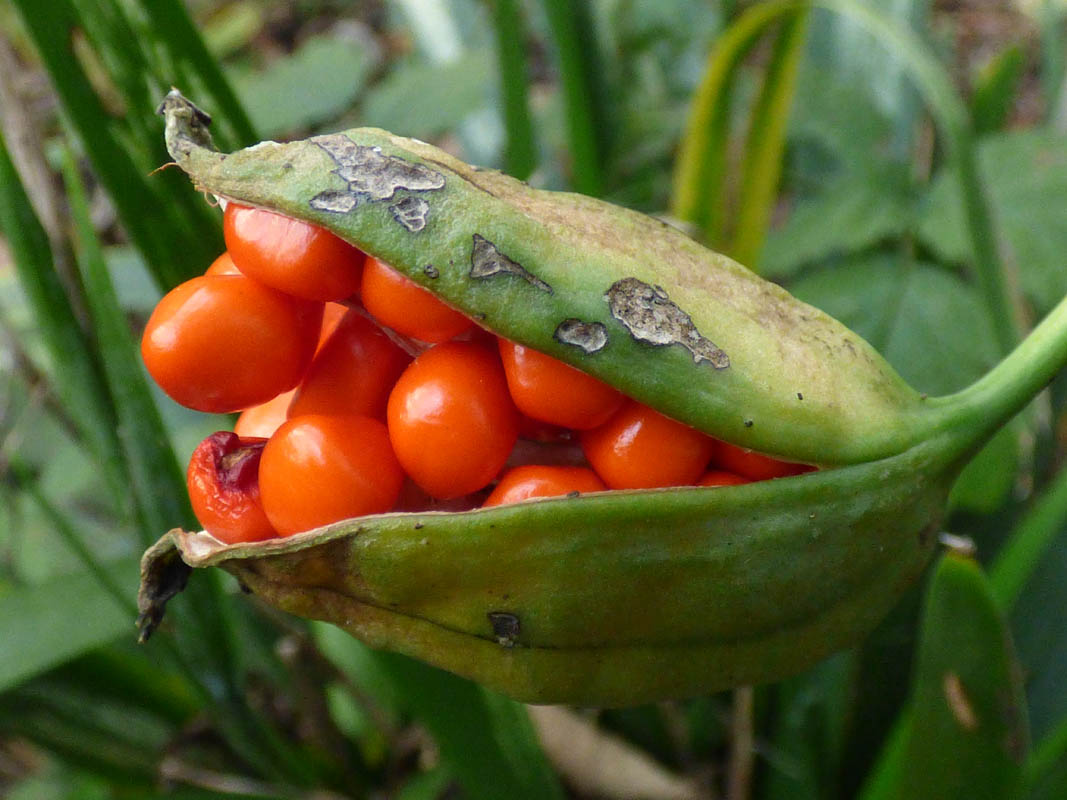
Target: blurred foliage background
{"points": [[900, 163]]}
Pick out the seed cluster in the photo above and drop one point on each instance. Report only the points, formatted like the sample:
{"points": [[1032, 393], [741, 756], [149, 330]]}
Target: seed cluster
{"points": [[362, 393]]}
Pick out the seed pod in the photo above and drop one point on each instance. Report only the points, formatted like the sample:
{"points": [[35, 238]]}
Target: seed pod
{"points": [[619, 295], [623, 597]]}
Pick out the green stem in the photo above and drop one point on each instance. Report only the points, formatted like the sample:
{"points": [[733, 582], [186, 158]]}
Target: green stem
{"points": [[981, 408]]}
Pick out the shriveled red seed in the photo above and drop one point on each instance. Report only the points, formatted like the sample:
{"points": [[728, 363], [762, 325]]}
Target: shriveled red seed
{"points": [[223, 482]]}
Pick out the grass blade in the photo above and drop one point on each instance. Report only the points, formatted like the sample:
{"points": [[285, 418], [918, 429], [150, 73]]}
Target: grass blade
{"points": [[176, 235], [699, 175], [205, 626], [1049, 757], [699, 188], [76, 371], [486, 741], [1032, 536], [520, 153], [765, 142], [584, 92], [996, 88], [156, 479]]}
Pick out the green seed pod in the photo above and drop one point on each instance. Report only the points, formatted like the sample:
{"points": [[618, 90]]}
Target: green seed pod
{"points": [[619, 295], [622, 597]]}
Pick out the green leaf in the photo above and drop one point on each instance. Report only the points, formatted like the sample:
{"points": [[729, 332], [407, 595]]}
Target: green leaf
{"points": [[43, 626], [1039, 614], [968, 733], [883, 781], [154, 475], [810, 731], [902, 308], [879, 73], [1026, 174], [1046, 771], [318, 81], [836, 127], [486, 741], [995, 89], [425, 100], [989, 477], [1029, 543], [855, 212]]}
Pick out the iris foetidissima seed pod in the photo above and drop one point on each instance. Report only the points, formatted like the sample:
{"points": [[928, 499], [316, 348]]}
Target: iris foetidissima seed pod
{"points": [[615, 598]]}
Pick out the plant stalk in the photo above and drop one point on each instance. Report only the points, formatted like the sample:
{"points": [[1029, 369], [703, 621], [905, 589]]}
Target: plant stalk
{"points": [[973, 414]]}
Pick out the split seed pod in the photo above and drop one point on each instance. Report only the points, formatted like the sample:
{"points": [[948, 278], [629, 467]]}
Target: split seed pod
{"points": [[616, 598]]}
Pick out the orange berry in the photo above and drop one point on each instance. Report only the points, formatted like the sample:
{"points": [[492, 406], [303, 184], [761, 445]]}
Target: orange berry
{"points": [[332, 314], [532, 480], [718, 477], [223, 343], [263, 420], [549, 390], [639, 448], [752, 465], [223, 265], [451, 420], [353, 372], [318, 469], [295, 257], [401, 304]]}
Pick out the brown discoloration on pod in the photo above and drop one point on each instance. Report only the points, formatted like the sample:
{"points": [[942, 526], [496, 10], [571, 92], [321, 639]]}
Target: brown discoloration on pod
{"points": [[649, 315]]}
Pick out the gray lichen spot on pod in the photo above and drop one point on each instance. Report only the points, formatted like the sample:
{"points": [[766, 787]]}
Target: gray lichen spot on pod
{"points": [[411, 213], [487, 261], [590, 337], [334, 202], [649, 315], [373, 175]]}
